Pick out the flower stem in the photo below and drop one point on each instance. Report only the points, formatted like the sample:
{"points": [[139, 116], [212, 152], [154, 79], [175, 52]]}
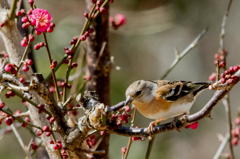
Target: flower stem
{"points": [[23, 57], [74, 48], [52, 70], [8, 112]]}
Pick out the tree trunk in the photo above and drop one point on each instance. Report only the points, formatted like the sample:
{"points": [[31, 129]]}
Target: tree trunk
{"points": [[99, 65]]}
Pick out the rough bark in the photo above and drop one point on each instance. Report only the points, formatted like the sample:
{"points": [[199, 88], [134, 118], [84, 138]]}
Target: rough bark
{"points": [[99, 65], [11, 37]]}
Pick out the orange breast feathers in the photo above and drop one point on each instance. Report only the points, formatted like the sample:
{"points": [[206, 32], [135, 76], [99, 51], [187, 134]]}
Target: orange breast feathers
{"points": [[157, 105]]}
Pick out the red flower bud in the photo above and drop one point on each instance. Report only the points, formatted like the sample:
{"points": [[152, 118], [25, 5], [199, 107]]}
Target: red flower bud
{"points": [[39, 132], [9, 120], [25, 68], [46, 128], [30, 37], [24, 42], [34, 146], [24, 19], [2, 105], [235, 141], [10, 68], [123, 150], [237, 121]]}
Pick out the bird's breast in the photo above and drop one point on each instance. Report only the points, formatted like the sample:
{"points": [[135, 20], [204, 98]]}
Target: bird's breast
{"points": [[162, 109], [152, 107]]}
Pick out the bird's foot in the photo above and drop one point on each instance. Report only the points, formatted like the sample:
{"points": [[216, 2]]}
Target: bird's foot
{"points": [[152, 125]]}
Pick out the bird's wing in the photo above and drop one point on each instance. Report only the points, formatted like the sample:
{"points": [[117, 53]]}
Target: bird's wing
{"points": [[172, 91]]}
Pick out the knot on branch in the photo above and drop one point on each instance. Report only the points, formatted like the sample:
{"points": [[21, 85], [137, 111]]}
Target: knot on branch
{"points": [[95, 118]]}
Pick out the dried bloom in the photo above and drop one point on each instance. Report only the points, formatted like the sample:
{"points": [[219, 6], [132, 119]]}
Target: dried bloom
{"points": [[91, 141], [41, 19]]}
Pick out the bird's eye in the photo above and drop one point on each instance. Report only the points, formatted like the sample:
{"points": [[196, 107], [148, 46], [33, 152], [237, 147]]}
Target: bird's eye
{"points": [[138, 93]]}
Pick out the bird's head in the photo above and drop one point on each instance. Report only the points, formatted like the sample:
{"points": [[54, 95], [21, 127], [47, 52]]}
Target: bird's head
{"points": [[140, 91]]}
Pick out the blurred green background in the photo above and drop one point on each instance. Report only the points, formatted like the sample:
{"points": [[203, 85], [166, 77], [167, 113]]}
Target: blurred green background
{"points": [[144, 49]]}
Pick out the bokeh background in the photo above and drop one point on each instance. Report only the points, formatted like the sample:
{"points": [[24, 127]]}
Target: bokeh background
{"points": [[144, 49]]}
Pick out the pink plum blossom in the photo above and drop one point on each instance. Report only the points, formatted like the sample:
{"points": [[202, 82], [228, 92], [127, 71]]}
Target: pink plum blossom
{"points": [[41, 19]]}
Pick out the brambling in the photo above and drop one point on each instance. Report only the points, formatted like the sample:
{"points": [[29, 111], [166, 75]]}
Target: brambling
{"points": [[162, 99]]}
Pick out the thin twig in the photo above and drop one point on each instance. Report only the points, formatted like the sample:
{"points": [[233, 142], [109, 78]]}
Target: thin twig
{"points": [[20, 95], [150, 145], [125, 155], [74, 48], [223, 26], [19, 119], [221, 147], [180, 56], [6, 130], [20, 140], [52, 70], [99, 152], [226, 101], [76, 77], [116, 107], [23, 114], [23, 56], [104, 44]]}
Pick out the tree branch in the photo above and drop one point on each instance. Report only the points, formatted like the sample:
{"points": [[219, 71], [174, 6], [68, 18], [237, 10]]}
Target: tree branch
{"points": [[179, 56]]}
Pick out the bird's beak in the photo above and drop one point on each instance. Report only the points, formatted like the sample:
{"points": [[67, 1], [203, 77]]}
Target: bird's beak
{"points": [[128, 100]]}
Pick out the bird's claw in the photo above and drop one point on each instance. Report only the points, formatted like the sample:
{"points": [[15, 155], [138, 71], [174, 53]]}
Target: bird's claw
{"points": [[151, 126]]}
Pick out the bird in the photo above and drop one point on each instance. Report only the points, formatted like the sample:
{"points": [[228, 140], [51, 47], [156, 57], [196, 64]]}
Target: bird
{"points": [[162, 99]]}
